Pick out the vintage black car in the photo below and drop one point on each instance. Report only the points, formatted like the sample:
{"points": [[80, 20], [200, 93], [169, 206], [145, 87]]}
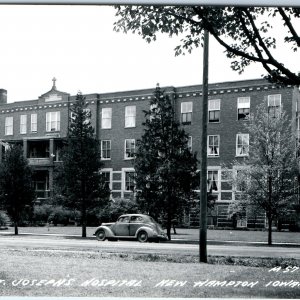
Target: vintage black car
{"points": [[131, 226]]}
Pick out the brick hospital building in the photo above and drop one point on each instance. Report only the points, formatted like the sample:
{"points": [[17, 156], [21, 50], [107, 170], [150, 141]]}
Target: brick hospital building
{"points": [[41, 124]]}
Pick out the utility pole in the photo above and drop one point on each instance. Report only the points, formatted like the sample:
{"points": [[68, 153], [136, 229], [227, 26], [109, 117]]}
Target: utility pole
{"points": [[203, 174]]}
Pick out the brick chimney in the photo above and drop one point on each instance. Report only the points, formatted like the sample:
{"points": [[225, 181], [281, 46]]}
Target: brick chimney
{"points": [[3, 96]]}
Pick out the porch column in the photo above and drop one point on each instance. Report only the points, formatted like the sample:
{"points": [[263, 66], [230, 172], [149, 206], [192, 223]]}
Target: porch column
{"points": [[51, 181], [51, 150], [25, 147]]}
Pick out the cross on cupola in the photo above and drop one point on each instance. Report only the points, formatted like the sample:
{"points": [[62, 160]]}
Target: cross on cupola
{"points": [[54, 86]]}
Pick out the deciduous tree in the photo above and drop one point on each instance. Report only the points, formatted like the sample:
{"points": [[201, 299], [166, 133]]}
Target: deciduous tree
{"points": [[267, 178]]}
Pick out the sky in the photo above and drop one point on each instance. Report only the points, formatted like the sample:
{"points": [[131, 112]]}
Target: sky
{"points": [[77, 46]]}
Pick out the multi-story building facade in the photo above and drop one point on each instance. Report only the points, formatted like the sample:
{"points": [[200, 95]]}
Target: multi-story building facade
{"points": [[40, 126]]}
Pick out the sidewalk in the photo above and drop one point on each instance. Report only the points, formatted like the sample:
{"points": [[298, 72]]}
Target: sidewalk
{"points": [[236, 237], [183, 235]]}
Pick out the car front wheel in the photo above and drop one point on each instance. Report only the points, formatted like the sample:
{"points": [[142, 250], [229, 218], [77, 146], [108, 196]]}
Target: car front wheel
{"points": [[101, 235], [142, 237]]}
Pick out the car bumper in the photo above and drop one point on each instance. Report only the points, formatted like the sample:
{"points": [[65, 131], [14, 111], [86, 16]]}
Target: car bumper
{"points": [[161, 237]]}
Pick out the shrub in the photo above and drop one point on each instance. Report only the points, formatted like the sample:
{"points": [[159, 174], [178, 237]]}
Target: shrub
{"points": [[55, 214], [4, 219], [117, 207]]}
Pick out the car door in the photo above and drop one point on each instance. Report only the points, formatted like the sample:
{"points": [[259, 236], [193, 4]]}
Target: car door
{"points": [[135, 223], [122, 226]]}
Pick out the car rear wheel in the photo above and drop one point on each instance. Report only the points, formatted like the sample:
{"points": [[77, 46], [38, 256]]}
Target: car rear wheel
{"points": [[142, 237], [101, 235]]}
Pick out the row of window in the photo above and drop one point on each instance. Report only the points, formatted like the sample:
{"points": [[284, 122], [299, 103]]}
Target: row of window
{"points": [[213, 179], [242, 145], [213, 146], [52, 123], [129, 148], [243, 107], [130, 117], [214, 108], [129, 183]]}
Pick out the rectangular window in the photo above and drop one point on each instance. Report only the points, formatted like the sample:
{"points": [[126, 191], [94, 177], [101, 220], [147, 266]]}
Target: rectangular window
{"points": [[242, 144], [106, 118], [106, 149], [33, 124], [129, 181], [241, 181], [214, 111], [213, 181], [129, 149], [243, 106], [213, 145], [53, 121], [274, 105], [130, 116], [23, 124], [9, 126], [106, 177], [186, 112]]}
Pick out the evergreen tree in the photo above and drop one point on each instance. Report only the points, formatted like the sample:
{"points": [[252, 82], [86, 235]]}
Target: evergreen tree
{"points": [[166, 170], [267, 179], [16, 191], [79, 183]]}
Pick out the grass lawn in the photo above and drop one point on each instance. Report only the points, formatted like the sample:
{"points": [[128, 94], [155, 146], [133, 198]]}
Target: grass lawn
{"points": [[30, 273], [191, 234]]}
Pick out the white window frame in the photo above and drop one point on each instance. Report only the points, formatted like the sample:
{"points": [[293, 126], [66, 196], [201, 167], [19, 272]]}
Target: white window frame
{"points": [[9, 125], [244, 137], [110, 171], [272, 99], [130, 116], [129, 151], [236, 187], [124, 171], [53, 121], [33, 123], [186, 112], [23, 124], [211, 147], [243, 103], [213, 106], [217, 187], [107, 149], [106, 118]]}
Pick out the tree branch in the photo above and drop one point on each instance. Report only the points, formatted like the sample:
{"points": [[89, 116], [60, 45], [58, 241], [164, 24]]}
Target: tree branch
{"points": [[290, 26]]}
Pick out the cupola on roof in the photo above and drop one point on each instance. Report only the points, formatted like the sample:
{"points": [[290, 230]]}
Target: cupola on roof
{"points": [[54, 94]]}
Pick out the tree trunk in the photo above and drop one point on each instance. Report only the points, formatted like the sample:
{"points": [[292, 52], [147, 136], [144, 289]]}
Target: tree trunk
{"points": [[16, 228], [83, 208], [169, 226], [270, 231], [83, 225]]}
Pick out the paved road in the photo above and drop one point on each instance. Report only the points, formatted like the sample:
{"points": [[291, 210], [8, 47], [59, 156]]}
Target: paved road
{"points": [[65, 244]]}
